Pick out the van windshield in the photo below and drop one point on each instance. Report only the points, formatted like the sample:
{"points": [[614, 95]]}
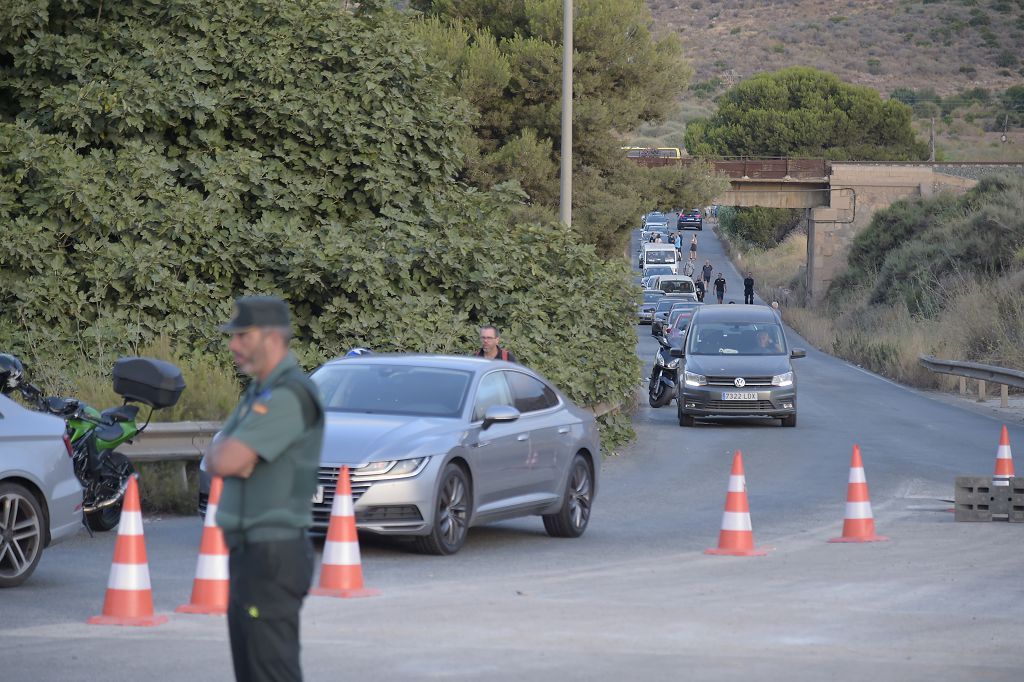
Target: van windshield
{"points": [[660, 256], [679, 286], [736, 338]]}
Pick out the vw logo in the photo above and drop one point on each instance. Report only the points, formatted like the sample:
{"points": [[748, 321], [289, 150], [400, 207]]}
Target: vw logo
{"points": [[740, 382]]}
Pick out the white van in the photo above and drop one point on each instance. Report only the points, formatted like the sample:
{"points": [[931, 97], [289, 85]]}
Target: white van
{"points": [[677, 284], [659, 254]]}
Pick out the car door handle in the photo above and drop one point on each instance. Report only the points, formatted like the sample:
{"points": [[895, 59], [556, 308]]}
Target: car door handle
{"points": [[483, 443], [523, 436], [564, 429]]}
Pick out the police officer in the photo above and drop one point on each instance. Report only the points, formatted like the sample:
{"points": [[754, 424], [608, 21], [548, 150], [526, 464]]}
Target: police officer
{"points": [[268, 453]]}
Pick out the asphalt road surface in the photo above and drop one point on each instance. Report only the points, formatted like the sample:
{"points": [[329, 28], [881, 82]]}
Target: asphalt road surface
{"points": [[635, 598]]}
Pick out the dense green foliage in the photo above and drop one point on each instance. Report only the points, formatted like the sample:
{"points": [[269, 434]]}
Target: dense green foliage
{"points": [[920, 252], [159, 159], [759, 226], [1005, 108], [802, 112], [507, 57]]}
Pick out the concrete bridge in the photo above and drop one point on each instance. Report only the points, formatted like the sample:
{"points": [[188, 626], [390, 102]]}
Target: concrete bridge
{"points": [[839, 198]]}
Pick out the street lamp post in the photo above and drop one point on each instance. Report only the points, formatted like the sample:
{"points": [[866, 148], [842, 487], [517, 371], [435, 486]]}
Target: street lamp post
{"points": [[565, 170]]}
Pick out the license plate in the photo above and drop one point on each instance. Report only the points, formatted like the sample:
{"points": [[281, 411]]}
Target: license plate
{"points": [[318, 496], [748, 395]]}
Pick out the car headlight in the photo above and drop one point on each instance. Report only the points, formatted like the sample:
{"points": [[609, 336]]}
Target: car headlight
{"points": [[692, 379], [392, 468], [783, 379]]}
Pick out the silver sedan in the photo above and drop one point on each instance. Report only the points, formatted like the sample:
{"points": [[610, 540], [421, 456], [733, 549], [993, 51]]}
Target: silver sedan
{"points": [[40, 498], [437, 444]]}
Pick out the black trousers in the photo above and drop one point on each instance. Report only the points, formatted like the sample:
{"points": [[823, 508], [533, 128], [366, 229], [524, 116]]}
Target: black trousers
{"points": [[748, 296], [268, 583]]}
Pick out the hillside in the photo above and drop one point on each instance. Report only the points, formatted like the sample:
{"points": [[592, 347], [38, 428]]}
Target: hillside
{"points": [[945, 45]]}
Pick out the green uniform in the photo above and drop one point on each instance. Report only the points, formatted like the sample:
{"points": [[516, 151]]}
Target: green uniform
{"points": [[265, 518]]}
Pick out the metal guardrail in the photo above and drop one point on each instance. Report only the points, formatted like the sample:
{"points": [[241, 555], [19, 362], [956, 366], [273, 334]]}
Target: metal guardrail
{"points": [[171, 441], [180, 441], [974, 370]]}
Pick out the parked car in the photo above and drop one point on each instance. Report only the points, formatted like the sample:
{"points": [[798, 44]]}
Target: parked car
{"points": [[655, 270], [692, 219], [645, 310], [654, 218], [437, 444], [40, 497], [736, 363]]}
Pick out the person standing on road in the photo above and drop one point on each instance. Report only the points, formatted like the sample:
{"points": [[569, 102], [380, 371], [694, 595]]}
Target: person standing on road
{"points": [[490, 345], [720, 287], [706, 272], [693, 249], [268, 453], [748, 288], [701, 289]]}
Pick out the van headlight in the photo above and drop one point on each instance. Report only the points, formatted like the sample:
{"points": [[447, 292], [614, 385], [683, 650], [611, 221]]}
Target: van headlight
{"points": [[392, 468], [783, 379], [692, 379]]}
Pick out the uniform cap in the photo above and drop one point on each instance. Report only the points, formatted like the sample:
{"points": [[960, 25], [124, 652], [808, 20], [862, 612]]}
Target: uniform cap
{"points": [[257, 311]]}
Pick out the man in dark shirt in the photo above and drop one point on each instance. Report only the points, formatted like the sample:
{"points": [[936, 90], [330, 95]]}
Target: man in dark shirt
{"points": [[705, 272], [490, 342], [701, 289], [748, 288], [720, 287]]}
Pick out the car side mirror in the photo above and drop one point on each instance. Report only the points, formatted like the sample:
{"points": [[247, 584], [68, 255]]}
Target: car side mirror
{"points": [[798, 353], [677, 353], [497, 414]]}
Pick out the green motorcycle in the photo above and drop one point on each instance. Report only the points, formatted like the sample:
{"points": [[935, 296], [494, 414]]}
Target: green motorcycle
{"points": [[103, 472]]}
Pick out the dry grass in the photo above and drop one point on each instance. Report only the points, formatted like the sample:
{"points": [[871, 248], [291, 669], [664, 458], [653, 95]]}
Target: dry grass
{"points": [[983, 322], [211, 386]]}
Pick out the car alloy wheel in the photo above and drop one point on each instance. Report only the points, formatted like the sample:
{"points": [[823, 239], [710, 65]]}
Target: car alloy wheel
{"points": [[572, 519], [21, 534], [451, 515]]}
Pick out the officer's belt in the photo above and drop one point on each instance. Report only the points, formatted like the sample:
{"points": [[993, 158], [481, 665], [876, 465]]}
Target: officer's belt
{"points": [[237, 538]]}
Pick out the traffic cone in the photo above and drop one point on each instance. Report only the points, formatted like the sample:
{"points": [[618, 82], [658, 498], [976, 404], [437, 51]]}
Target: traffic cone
{"points": [[129, 599], [1004, 461], [341, 573], [736, 537], [859, 524], [210, 588]]}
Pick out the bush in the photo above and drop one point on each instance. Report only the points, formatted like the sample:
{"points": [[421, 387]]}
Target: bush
{"points": [[172, 156], [761, 227]]}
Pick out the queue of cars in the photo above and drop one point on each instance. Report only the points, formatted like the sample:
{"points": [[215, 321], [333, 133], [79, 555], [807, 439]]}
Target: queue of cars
{"points": [[720, 361]]}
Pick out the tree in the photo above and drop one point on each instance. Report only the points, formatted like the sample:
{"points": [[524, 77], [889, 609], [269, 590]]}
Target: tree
{"points": [[622, 77], [804, 112]]}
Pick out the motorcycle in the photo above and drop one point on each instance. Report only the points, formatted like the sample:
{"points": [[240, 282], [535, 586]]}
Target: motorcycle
{"points": [[662, 385], [103, 472]]}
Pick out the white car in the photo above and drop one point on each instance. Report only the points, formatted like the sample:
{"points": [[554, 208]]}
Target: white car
{"points": [[40, 497]]}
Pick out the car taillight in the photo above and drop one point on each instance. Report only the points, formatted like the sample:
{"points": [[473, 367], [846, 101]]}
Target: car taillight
{"points": [[67, 444]]}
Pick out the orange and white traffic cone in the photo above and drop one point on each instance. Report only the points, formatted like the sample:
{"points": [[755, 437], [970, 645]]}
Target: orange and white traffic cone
{"points": [[736, 537], [129, 599], [341, 572], [210, 588], [859, 524], [1004, 461]]}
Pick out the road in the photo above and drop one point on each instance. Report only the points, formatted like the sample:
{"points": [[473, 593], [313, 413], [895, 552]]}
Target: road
{"points": [[635, 598]]}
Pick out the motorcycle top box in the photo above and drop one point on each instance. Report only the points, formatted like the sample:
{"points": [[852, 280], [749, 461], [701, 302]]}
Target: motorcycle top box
{"points": [[152, 382]]}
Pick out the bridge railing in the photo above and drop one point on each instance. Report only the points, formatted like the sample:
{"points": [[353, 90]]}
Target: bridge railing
{"points": [[982, 373], [754, 169]]}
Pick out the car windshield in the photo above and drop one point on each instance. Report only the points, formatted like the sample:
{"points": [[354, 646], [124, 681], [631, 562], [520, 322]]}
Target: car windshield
{"points": [[662, 256], [658, 270], [651, 297], [736, 338], [665, 305], [678, 311], [349, 386]]}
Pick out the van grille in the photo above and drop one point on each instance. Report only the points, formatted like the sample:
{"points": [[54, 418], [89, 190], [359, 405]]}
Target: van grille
{"points": [[731, 381]]}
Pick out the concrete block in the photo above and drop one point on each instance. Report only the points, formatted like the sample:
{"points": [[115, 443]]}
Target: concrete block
{"points": [[1015, 514], [976, 499]]}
